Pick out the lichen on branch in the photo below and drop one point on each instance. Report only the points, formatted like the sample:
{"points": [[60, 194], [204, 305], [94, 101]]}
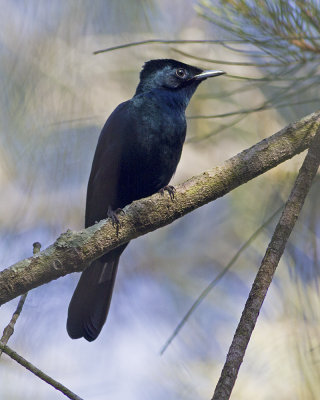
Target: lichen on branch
{"points": [[74, 251]]}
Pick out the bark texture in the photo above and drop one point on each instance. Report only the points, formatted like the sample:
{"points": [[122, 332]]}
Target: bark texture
{"points": [[266, 271], [73, 251]]}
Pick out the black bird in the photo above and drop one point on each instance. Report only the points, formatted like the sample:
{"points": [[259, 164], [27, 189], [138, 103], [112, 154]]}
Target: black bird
{"points": [[137, 153]]}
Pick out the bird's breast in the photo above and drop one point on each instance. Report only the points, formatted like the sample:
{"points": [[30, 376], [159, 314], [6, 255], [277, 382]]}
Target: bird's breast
{"points": [[153, 151]]}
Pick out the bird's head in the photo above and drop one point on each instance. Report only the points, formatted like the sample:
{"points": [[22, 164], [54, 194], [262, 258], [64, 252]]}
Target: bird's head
{"points": [[173, 76]]}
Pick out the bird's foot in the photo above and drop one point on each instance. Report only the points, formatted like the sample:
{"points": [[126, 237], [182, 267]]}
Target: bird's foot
{"points": [[113, 215], [170, 189]]}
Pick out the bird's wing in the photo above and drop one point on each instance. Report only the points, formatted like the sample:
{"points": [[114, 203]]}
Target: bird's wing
{"points": [[90, 302], [103, 181]]}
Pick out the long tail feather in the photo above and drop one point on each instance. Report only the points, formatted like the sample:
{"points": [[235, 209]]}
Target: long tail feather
{"points": [[91, 300]]}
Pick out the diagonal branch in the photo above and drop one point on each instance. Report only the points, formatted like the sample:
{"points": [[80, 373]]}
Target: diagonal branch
{"points": [[213, 283], [9, 329], [73, 251], [40, 374], [266, 271]]}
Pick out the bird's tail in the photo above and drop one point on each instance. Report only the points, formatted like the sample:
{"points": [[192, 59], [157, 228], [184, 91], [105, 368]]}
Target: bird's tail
{"points": [[91, 299]]}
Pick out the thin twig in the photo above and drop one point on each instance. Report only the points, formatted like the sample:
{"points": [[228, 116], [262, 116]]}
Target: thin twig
{"points": [[73, 251], [36, 371], [241, 63], [213, 283], [277, 96], [9, 329], [163, 41], [263, 107], [266, 271]]}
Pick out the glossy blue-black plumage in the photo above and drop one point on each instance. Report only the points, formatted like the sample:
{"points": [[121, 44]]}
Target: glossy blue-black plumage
{"points": [[137, 153]]}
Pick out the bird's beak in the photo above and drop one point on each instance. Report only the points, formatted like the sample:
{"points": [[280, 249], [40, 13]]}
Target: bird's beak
{"points": [[207, 74]]}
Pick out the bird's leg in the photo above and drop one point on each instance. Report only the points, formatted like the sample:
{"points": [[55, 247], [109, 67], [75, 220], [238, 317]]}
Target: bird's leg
{"points": [[113, 215], [170, 189]]}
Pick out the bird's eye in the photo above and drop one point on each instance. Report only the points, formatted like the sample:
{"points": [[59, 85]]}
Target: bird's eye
{"points": [[181, 73]]}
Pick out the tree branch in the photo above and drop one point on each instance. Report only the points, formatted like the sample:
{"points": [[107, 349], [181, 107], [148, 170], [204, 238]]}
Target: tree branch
{"points": [[266, 271], [73, 251], [9, 329], [40, 374], [213, 283]]}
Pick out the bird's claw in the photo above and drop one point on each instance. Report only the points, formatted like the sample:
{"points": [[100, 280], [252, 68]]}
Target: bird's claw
{"points": [[170, 189], [120, 211], [113, 215]]}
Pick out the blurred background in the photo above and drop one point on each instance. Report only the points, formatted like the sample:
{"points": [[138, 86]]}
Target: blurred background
{"points": [[55, 96]]}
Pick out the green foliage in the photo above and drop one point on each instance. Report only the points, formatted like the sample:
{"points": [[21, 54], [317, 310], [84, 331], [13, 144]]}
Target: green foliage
{"points": [[286, 30]]}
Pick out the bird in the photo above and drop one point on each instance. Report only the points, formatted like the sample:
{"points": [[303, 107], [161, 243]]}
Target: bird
{"points": [[136, 156]]}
